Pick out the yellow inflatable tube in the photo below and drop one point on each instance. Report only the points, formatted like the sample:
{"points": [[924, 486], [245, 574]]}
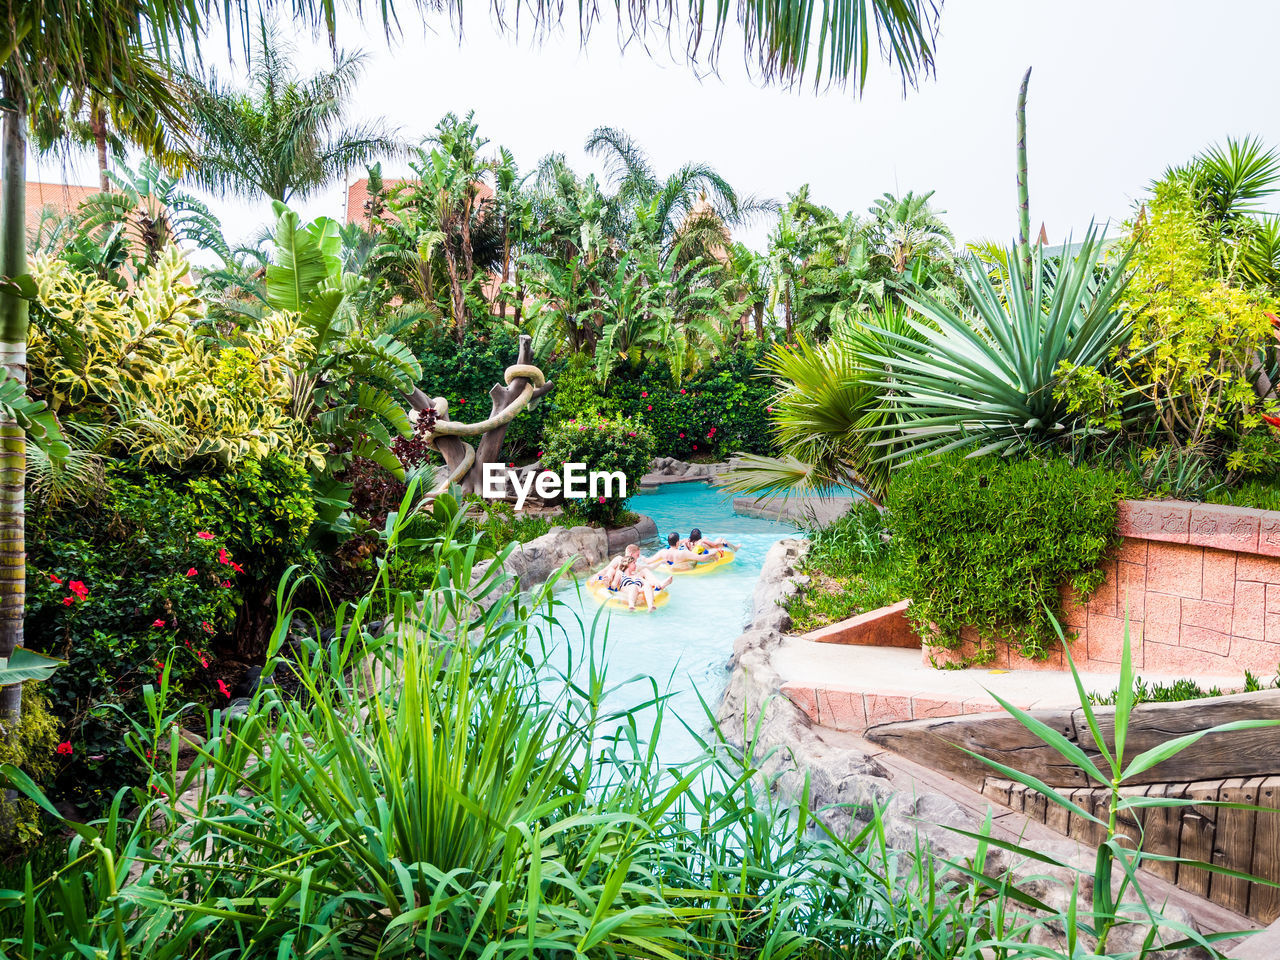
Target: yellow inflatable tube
{"points": [[707, 566], [603, 596]]}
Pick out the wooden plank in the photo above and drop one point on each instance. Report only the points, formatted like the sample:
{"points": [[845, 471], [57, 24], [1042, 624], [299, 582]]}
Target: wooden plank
{"points": [[1161, 829], [1233, 844], [1081, 828], [1196, 837], [1264, 901], [997, 790], [1056, 817], [1239, 753], [1037, 806], [997, 736]]}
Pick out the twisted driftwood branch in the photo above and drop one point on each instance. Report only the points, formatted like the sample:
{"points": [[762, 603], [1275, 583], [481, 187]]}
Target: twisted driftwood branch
{"points": [[524, 385]]}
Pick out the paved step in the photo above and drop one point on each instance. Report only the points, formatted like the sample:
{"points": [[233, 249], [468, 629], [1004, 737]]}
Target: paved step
{"points": [[848, 687]]}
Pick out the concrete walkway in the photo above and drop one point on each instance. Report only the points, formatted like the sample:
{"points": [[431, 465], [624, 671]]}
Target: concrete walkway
{"points": [[851, 688]]}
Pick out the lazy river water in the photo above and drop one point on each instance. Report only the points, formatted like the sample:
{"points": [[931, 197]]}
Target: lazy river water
{"points": [[685, 644]]}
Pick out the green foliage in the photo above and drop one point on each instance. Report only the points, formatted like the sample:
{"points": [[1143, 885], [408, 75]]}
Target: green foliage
{"points": [[987, 542], [1158, 692], [1260, 494], [981, 377], [605, 445], [1201, 335], [720, 411], [133, 549], [851, 570], [31, 746]]}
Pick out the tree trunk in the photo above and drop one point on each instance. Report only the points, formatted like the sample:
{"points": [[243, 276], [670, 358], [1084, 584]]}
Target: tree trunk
{"points": [[13, 357], [255, 620], [99, 123]]}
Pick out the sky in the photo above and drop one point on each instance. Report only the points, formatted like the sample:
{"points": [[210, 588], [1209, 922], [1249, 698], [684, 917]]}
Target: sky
{"points": [[1120, 89]]}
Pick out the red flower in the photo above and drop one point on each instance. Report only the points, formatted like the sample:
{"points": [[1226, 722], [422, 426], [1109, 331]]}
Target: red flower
{"points": [[1275, 321], [222, 688], [205, 535], [157, 623], [601, 499], [695, 446], [205, 626], [192, 572], [79, 589], [68, 601], [463, 400], [204, 663], [682, 390], [649, 407], [1274, 421], [644, 393], [768, 409], [224, 557], [682, 436], [226, 583], [237, 568], [64, 748], [56, 579]]}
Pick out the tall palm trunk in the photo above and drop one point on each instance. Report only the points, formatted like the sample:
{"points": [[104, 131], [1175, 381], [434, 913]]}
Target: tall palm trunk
{"points": [[99, 126], [13, 357]]}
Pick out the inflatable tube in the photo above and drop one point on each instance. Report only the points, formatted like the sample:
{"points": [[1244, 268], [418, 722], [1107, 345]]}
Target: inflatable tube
{"points": [[709, 565], [602, 595]]}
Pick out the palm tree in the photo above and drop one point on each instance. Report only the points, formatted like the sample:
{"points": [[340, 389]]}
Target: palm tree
{"points": [[285, 135], [688, 209], [906, 228]]}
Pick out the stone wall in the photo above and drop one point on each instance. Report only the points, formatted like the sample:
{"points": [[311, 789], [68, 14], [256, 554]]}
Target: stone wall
{"points": [[1201, 587]]}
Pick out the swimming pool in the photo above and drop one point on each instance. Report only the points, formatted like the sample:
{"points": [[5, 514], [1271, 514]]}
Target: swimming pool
{"points": [[686, 644]]}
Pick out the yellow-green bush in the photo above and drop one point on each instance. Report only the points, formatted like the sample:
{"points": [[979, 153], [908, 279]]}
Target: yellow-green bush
{"points": [[31, 746]]}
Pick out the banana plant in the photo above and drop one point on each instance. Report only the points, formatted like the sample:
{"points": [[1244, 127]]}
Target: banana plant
{"points": [[23, 665], [354, 385]]}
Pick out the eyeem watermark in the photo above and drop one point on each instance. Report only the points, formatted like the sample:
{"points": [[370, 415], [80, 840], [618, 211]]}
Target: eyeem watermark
{"points": [[574, 482]]}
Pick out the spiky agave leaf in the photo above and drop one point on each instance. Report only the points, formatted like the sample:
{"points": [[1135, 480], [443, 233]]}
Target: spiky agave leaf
{"points": [[982, 380]]}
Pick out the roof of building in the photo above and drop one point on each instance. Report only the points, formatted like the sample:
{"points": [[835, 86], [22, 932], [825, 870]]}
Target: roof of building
{"points": [[62, 198]]}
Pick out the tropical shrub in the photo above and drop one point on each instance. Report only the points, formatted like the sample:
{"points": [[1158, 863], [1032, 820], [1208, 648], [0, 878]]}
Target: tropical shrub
{"points": [[721, 410], [32, 746], [605, 445], [146, 580], [1200, 340], [851, 570], [987, 542], [137, 372]]}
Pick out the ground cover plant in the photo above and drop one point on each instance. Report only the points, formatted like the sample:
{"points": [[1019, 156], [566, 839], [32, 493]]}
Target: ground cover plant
{"points": [[851, 570]]}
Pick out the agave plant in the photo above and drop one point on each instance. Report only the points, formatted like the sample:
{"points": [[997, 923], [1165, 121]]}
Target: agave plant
{"points": [[982, 379]]}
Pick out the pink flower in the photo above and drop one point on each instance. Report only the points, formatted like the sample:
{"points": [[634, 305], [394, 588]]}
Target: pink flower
{"points": [[649, 407], [682, 389], [64, 748], [205, 535], [79, 589], [224, 557], [192, 572], [204, 662], [226, 583], [56, 579], [631, 433], [157, 623], [695, 446], [768, 409], [68, 601], [601, 499], [222, 688], [682, 436], [644, 393]]}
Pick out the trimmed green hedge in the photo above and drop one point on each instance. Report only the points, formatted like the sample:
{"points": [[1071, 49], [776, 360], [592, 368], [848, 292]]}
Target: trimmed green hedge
{"points": [[986, 542]]}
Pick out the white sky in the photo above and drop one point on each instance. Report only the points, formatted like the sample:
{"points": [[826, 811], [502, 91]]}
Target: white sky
{"points": [[1120, 89]]}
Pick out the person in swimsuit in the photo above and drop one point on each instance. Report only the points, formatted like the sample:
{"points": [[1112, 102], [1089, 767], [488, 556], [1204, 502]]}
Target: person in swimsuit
{"points": [[633, 582], [673, 556], [706, 549]]}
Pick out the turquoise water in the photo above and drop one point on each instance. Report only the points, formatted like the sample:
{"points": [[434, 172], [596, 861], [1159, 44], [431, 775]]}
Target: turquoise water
{"points": [[685, 644]]}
